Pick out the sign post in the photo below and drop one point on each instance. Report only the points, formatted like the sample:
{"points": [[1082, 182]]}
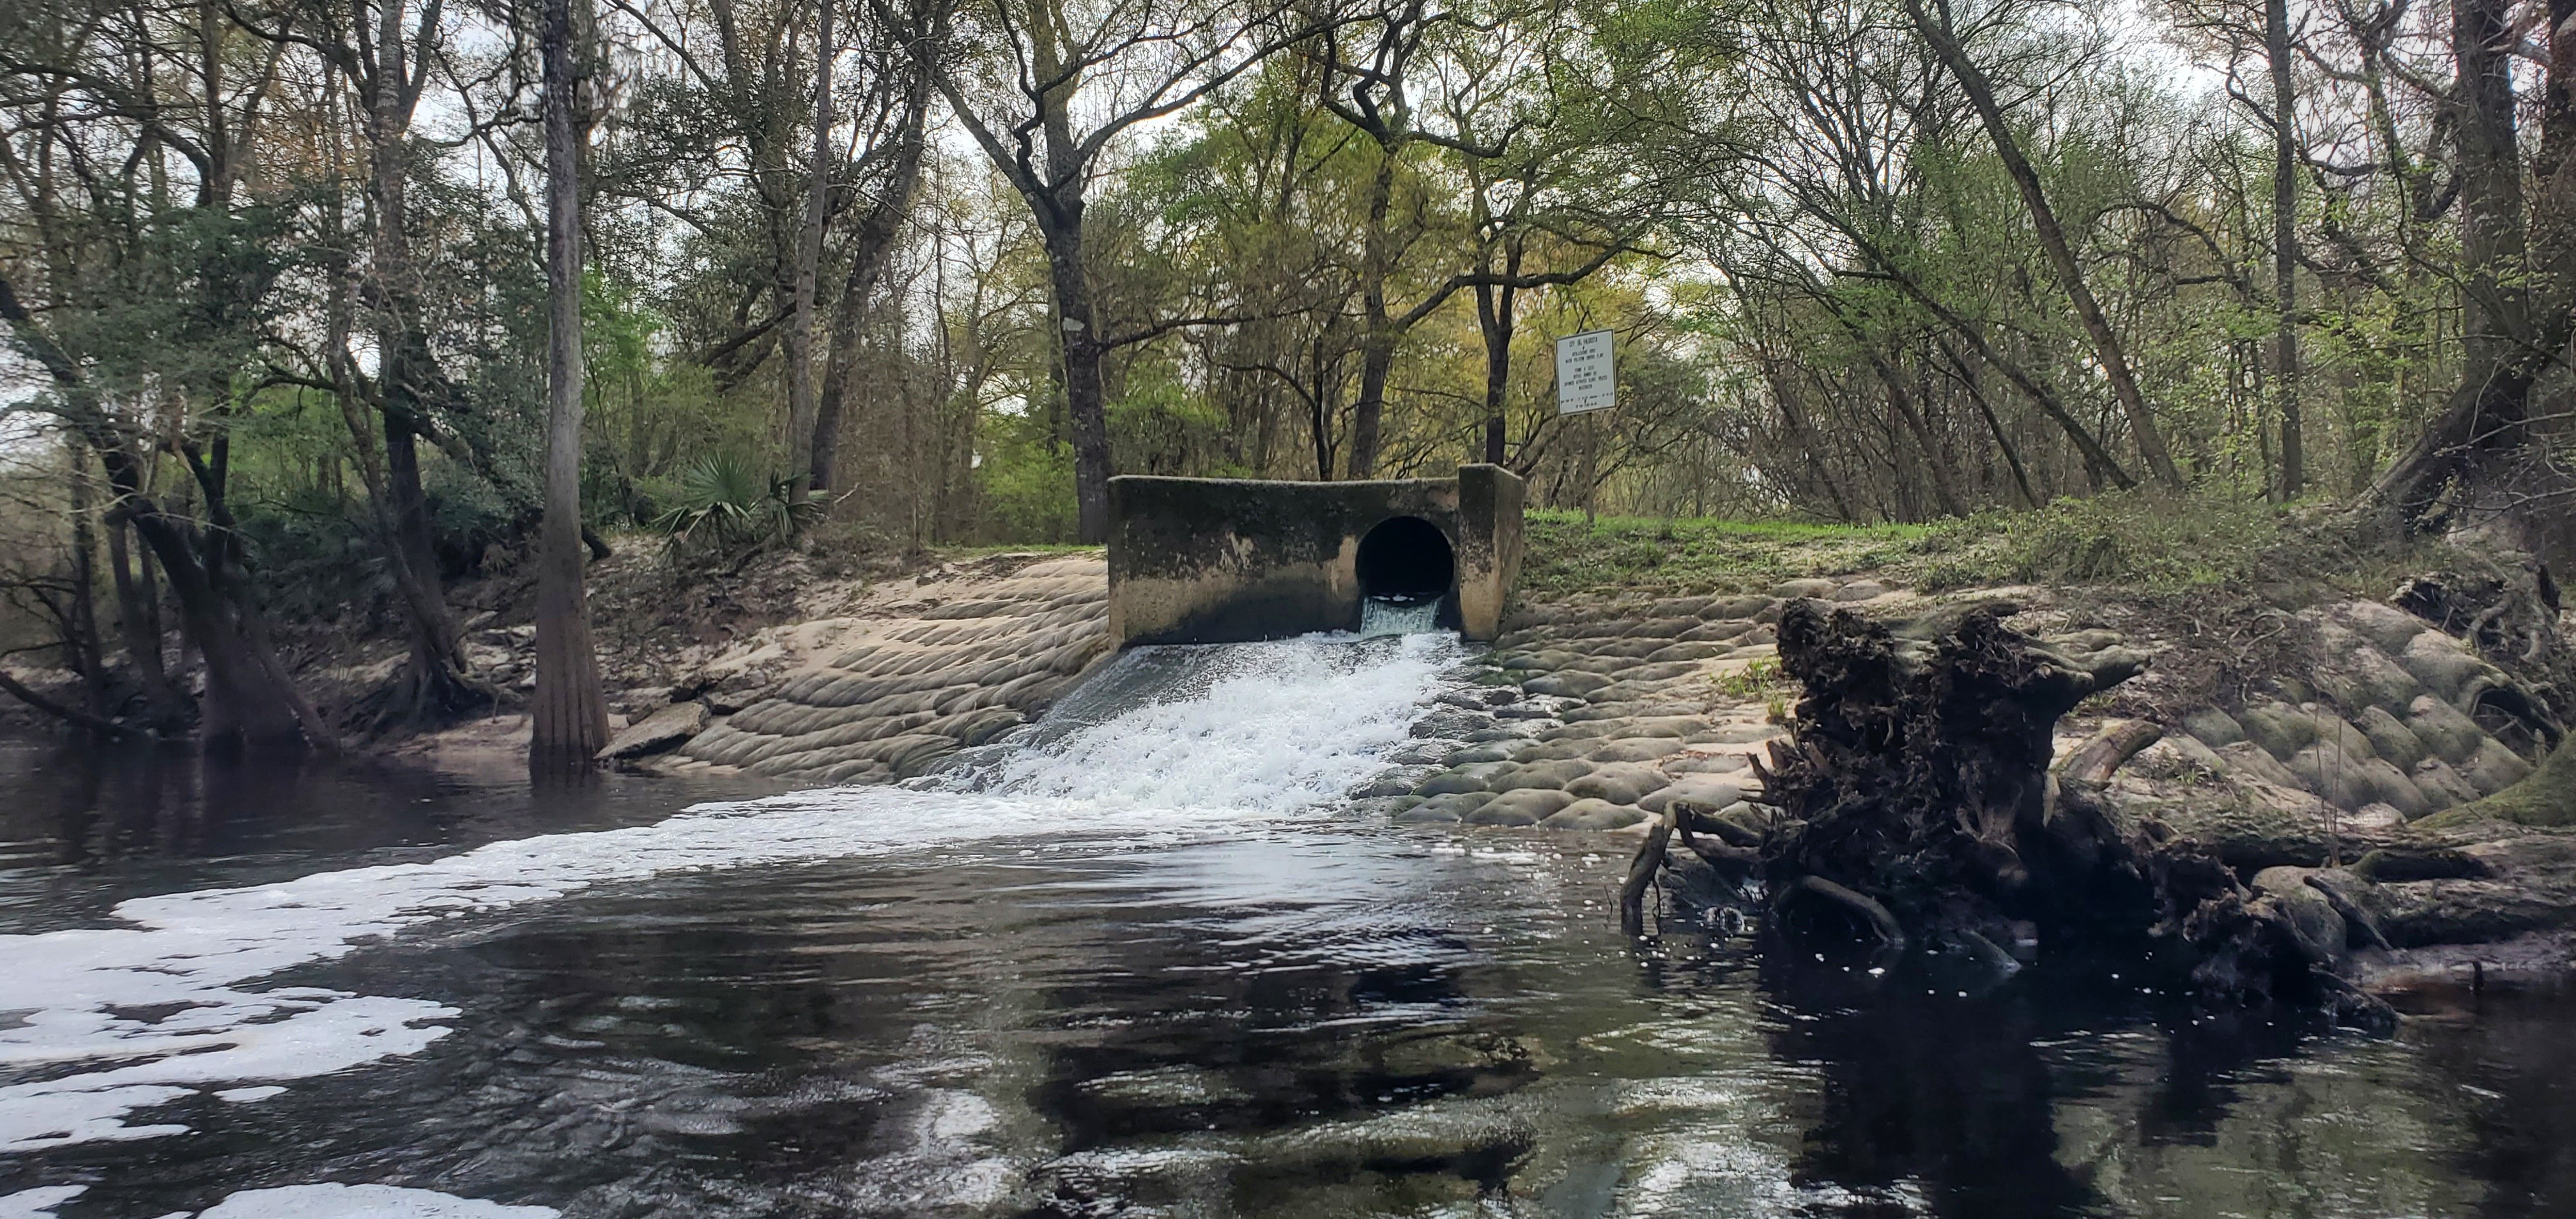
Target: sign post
{"points": [[1585, 380]]}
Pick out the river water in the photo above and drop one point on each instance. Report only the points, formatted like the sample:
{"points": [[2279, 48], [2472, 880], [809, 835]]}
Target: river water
{"points": [[1143, 961]]}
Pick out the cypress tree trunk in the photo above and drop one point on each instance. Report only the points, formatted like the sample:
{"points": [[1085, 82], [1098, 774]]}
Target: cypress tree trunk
{"points": [[570, 716]]}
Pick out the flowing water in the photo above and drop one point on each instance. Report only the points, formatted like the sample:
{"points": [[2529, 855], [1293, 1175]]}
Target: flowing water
{"points": [[1141, 960], [1397, 615]]}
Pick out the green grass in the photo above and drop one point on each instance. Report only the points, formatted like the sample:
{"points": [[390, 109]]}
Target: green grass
{"points": [[2138, 540], [2135, 539], [1686, 555]]}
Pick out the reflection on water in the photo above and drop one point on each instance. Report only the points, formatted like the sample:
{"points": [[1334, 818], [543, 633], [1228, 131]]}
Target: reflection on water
{"points": [[84, 828], [1301, 1017]]}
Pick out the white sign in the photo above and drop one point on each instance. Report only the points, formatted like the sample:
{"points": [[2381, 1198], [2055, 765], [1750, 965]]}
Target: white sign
{"points": [[1584, 379]]}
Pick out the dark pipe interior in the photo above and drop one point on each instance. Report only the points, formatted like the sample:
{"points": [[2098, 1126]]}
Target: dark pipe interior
{"points": [[1406, 558]]}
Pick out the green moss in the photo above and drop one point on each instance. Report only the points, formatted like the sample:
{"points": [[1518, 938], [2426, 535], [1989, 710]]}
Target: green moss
{"points": [[2546, 797]]}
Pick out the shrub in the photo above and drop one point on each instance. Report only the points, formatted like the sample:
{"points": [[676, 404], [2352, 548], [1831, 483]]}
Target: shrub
{"points": [[725, 507]]}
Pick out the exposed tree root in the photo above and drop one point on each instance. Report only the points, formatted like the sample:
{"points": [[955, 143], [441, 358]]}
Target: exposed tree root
{"points": [[1917, 810]]}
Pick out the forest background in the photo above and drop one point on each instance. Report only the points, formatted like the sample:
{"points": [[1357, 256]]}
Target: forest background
{"points": [[904, 273]]}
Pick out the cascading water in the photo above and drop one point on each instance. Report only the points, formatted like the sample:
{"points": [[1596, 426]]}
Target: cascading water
{"points": [[1164, 744], [1398, 616]]}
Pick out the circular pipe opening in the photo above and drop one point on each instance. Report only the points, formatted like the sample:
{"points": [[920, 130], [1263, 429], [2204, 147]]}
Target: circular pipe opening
{"points": [[1406, 558]]}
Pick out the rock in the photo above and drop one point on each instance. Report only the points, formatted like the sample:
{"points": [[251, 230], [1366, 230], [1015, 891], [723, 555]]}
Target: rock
{"points": [[1618, 783], [2391, 738], [1594, 814], [1440, 810], [1637, 749], [1745, 607], [1566, 684], [2442, 786], [1745, 817], [1744, 734], [1526, 806], [2363, 676], [1451, 723], [2452, 736], [2351, 780], [1700, 790], [1860, 590], [1397, 782], [2441, 663], [2282, 730], [660, 732], [2494, 767], [2387, 627], [1474, 777], [1537, 775], [1704, 764], [1793, 589], [2252, 760], [2213, 727]]}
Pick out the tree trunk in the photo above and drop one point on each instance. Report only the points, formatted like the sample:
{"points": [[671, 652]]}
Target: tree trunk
{"points": [[1994, 426], [1084, 393], [871, 245], [89, 656], [1377, 361], [570, 715], [1935, 465], [799, 347], [2500, 355], [434, 686], [1494, 317], [2052, 239], [2285, 247], [1377, 338], [248, 702], [138, 621]]}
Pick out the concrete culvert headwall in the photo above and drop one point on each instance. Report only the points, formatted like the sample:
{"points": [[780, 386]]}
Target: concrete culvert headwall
{"points": [[1406, 558], [1217, 560]]}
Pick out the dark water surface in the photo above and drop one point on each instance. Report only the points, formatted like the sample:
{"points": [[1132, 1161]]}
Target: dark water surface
{"points": [[1303, 1018]]}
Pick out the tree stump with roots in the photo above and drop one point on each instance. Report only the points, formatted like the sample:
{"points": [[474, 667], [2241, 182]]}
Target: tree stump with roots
{"points": [[1917, 813]]}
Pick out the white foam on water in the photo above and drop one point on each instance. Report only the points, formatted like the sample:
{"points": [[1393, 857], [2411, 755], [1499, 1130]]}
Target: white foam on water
{"points": [[30, 1203], [328, 1201], [126, 1018]]}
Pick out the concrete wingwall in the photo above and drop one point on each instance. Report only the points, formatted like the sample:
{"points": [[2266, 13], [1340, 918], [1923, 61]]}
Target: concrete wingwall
{"points": [[1212, 560]]}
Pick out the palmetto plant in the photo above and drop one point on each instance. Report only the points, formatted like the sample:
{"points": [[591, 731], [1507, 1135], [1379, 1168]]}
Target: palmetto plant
{"points": [[727, 507]]}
